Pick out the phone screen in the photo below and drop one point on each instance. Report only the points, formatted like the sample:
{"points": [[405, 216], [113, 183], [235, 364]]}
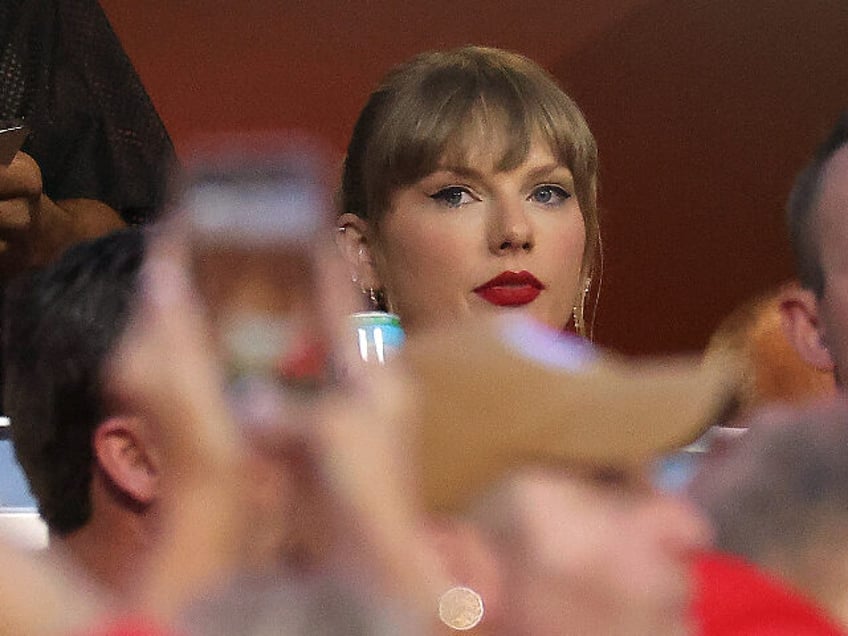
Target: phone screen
{"points": [[254, 228]]}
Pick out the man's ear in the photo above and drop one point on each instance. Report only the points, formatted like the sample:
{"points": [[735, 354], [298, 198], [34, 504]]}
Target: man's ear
{"points": [[799, 310], [124, 454], [356, 244]]}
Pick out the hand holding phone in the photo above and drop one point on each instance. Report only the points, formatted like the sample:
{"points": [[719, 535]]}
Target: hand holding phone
{"points": [[12, 136], [255, 214]]}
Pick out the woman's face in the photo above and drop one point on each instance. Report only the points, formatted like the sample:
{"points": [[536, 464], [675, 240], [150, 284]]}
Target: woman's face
{"points": [[472, 240]]}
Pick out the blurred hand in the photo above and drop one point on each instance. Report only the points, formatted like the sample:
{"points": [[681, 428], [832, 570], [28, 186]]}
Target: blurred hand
{"points": [[164, 369], [345, 460]]}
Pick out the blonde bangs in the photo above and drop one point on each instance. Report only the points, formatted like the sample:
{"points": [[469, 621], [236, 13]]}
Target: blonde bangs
{"points": [[461, 103], [438, 109]]}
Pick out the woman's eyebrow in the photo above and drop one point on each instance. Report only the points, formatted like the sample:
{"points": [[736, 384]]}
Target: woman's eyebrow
{"points": [[459, 170], [549, 169], [538, 172]]}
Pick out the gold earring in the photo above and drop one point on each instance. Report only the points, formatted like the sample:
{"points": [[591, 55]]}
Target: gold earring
{"points": [[578, 311]]}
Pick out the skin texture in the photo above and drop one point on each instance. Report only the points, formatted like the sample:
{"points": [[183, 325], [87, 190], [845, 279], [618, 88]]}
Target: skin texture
{"points": [[461, 226]]}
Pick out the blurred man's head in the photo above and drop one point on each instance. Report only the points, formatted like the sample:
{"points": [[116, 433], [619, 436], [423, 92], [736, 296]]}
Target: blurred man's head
{"points": [[779, 499], [817, 319], [590, 552]]}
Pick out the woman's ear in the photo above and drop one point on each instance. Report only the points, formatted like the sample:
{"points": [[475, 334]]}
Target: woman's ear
{"points": [[123, 453], [799, 310], [356, 245]]}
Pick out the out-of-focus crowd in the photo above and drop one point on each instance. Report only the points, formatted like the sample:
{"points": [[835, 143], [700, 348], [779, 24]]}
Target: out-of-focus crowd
{"points": [[211, 453]]}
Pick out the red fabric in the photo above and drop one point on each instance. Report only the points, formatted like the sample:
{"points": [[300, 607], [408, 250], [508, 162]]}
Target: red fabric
{"points": [[131, 626], [734, 598]]}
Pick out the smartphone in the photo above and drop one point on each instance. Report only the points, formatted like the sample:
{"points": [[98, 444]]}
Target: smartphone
{"points": [[12, 135], [255, 219]]}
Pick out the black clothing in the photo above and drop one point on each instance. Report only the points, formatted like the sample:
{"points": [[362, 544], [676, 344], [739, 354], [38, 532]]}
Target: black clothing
{"points": [[95, 133]]}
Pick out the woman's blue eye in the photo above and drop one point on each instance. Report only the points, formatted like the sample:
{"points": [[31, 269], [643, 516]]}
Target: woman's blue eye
{"points": [[549, 195], [453, 197]]}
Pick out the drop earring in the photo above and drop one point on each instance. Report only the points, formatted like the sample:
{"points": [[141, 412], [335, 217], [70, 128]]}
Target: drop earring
{"points": [[577, 312]]}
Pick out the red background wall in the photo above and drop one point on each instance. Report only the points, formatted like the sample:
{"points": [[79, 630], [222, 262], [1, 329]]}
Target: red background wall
{"points": [[703, 111]]}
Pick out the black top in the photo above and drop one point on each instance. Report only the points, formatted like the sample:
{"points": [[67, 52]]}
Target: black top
{"points": [[95, 133]]}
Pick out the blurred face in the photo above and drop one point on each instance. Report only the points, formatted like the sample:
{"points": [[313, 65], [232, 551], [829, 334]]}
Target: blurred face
{"points": [[471, 240], [594, 556], [832, 228]]}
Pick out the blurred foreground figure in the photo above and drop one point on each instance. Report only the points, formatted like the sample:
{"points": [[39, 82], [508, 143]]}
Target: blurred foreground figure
{"points": [[471, 501], [534, 455], [779, 500], [492, 497]]}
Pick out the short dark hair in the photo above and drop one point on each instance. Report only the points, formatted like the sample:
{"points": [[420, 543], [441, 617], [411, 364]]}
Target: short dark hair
{"points": [[60, 325], [801, 206]]}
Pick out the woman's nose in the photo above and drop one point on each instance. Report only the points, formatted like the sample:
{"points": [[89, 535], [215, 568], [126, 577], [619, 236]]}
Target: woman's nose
{"points": [[511, 229]]}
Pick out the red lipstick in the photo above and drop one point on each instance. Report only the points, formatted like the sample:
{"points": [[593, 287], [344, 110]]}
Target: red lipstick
{"points": [[511, 289]]}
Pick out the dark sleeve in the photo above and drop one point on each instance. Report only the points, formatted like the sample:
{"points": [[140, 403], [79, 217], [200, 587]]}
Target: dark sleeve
{"points": [[95, 133]]}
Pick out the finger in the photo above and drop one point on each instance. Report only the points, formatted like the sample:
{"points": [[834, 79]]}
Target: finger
{"points": [[163, 367], [21, 178], [16, 214]]}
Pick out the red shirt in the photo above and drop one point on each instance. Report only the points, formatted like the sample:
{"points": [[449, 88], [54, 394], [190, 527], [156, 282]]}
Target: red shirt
{"points": [[131, 626], [734, 598]]}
